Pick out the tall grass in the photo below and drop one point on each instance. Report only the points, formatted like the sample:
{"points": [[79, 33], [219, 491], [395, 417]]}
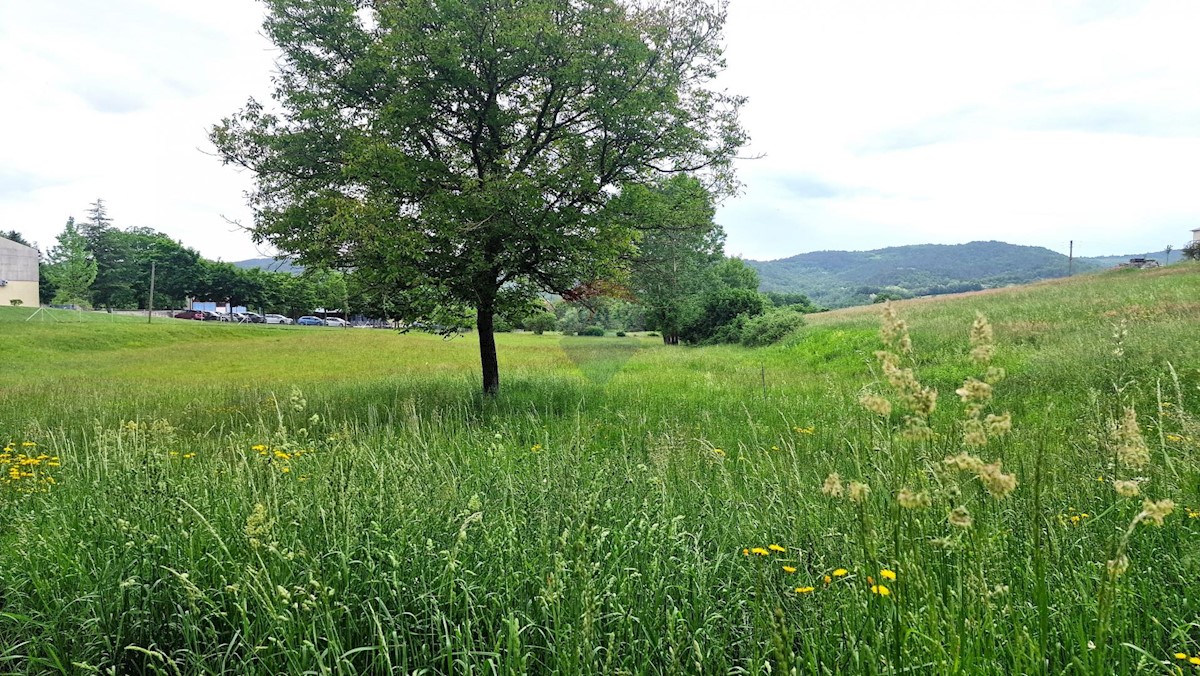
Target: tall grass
{"points": [[281, 500]]}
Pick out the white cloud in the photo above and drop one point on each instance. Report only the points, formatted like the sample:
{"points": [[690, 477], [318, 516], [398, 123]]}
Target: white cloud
{"points": [[1029, 122], [882, 123]]}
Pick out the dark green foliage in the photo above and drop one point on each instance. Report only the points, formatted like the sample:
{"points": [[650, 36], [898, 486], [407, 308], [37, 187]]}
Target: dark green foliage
{"points": [[770, 328], [15, 236], [620, 334], [72, 268], [540, 322], [794, 301], [1191, 251], [722, 314], [842, 278], [591, 331], [678, 249]]}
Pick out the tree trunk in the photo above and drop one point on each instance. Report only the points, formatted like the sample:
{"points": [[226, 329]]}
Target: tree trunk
{"points": [[487, 351]]}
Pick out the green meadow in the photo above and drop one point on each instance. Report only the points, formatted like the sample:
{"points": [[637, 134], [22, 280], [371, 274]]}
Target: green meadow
{"points": [[182, 497]]}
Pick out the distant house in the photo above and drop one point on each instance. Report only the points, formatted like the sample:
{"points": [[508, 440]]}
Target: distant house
{"points": [[1196, 235], [1140, 263], [18, 274]]}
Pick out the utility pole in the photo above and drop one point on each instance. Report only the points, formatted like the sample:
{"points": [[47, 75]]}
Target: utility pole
{"points": [[150, 302], [1071, 260]]}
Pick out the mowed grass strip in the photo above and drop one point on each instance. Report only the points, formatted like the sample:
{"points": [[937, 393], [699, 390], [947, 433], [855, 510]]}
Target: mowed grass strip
{"points": [[262, 499]]}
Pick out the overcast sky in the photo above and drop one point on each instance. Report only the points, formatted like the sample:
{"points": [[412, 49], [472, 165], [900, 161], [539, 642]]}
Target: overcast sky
{"points": [[880, 123]]}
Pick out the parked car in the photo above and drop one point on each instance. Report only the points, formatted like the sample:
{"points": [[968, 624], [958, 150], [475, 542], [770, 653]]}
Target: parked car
{"points": [[212, 316], [277, 319], [336, 321], [255, 318], [190, 314], [309, 320]]}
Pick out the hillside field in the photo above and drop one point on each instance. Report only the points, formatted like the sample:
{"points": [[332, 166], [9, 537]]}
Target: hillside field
{"points": [[187, 497]]}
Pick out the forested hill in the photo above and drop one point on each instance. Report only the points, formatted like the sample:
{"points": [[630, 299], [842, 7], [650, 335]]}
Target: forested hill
{"points": [[270, 264], [842, 278]]}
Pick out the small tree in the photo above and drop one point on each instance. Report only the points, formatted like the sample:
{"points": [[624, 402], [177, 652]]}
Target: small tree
{"points": [[1191, 251], [540, 322], [1167, 253], [72, 268]]}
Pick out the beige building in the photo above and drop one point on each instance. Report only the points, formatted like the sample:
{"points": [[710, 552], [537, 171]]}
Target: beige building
{"points": [[1196, 235], [18, 274]]}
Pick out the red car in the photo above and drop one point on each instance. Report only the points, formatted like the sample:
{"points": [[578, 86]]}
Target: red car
{"points": [[190, 314]]}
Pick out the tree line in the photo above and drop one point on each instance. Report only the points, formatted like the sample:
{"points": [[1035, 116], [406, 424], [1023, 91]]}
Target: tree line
{"points": [[96, 264]]}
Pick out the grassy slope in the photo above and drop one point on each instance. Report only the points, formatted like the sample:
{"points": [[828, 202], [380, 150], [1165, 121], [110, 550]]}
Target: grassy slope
{"points": [[611, 529]]}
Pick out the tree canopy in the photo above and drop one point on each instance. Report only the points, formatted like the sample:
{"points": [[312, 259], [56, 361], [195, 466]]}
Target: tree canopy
{"points": [[461, 154]]}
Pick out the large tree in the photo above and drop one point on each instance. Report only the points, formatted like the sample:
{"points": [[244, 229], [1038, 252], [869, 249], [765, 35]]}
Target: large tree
{"points": [[678, 247], [460, 153]]}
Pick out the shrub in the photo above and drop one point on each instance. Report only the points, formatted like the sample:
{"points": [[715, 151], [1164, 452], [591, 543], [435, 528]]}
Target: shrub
{"points": [[620, 334], [592, 331], [721, 316], [541, 322], [770, 328]]}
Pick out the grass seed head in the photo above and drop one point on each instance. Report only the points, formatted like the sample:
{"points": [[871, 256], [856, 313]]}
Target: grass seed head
{"points": [[996, 482], [910, 499], [876, 404], [959, 516], [1117, 567], [1156, 511], [832, 486], [859, 492], [1132, 450], [1126, 489]]}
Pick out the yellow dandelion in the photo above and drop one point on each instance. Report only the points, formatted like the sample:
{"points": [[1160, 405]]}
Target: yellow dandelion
{"points": [[841, 572], [1194, 660], [804, 590], [28, 444], [880, 589], [887, 574], [776, 548], [258, 447], [760, 551], [285, 470], [189, 455], [745, 552], [789, 569], [828, 579], [719, 452], [535, 448], [1181, 656]]}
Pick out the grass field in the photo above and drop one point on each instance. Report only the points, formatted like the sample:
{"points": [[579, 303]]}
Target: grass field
{"points": [[186, 497]]}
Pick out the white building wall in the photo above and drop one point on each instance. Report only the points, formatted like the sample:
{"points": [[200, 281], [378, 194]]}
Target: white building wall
{"points": [[18, 273]]}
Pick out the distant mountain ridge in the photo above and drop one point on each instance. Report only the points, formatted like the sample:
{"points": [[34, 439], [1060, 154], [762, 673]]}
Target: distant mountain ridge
{"points": [[270, 264], [844, 278]]}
